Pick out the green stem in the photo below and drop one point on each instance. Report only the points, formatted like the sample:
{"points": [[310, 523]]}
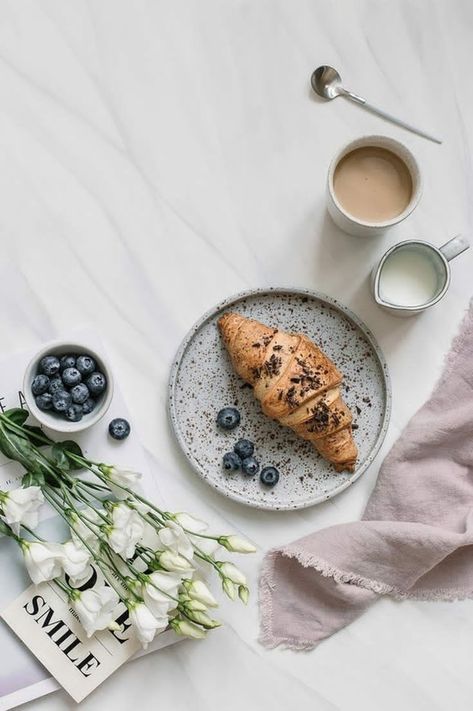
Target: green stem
{"points": [[63, 586], [38, 538], [6, 420]]}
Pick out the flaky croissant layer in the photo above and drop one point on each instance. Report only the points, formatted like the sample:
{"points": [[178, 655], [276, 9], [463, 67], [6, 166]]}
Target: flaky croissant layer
{"points": [[296, 384]]}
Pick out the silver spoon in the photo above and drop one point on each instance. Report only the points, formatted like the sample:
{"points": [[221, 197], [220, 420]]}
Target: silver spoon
{"points": [[327, 83]]}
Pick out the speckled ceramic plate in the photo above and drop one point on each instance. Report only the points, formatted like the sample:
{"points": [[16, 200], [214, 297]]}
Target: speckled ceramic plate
{"points": [[203, 381]]}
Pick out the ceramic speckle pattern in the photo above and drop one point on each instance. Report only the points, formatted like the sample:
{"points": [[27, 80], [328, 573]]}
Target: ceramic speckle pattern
{"points": [[203, 381]]}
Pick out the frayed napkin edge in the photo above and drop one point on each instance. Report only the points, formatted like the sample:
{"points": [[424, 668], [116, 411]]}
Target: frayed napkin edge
{"points": [[267, 586]]}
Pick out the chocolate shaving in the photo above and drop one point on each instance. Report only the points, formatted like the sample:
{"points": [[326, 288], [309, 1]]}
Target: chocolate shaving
{"points": [[270, 367], [273, 365], [320, 419], [291, 397]]}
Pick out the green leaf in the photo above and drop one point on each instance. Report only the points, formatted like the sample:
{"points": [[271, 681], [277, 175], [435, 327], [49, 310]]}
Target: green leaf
{"points": [[20, 449], [30, 479], [36, 432], [73, 448], [14, 446], [59, 457], [59, 452], [17, 415]]}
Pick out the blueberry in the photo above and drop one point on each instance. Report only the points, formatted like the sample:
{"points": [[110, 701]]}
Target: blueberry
{"points": [[244, 448], [269, 476], [55, 384], [49, 365], [40, 384], [96, 383], [228, 418], [44, 401], [85, 364], [71, 376], [250, 466], [119, 428], [80, 393], [231, 462], [61, 400], [88, 406], [74, 413], [67, 361]]}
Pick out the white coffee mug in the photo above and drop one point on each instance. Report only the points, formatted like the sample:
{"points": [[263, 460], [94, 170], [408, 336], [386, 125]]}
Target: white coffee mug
{"points": [[353, 225]]}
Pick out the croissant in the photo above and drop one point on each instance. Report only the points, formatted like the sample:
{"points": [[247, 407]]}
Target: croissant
{"points": [[296, 384]]}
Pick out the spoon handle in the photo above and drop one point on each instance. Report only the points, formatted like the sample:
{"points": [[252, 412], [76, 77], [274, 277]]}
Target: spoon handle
{"points": [[384, 114]]}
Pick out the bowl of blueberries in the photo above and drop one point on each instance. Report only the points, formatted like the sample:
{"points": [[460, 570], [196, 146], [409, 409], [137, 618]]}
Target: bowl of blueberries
{"points": [[67, 387]]}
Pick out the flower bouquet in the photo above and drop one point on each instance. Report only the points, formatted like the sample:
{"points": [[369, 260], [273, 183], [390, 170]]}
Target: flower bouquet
{"points": [[153, 561]]}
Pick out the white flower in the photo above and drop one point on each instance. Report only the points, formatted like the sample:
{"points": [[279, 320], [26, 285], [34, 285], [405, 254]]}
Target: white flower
{"points": [[207, 545], [173, 537], [75, 559], [43, 560], [154, 590], [150, 537], [20, 506], [117, 478], [231, 572], [144, 622], [197, 590], [96, 608], [125, 530], [173, 561], [76, 581], [190, 523], [193, 525], [88, 532], [187, 629], [235, 544]]}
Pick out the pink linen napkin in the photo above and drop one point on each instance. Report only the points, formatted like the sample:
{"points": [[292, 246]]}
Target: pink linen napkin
{"points": [[416, 536]]}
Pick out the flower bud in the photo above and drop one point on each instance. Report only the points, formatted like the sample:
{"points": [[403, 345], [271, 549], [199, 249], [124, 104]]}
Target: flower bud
{"points": [[173, 561], [190, 523], [228, 570], [243, 594], [119, 478], [202, 619], [197, 590], [235, 544], [187, 628], [229, 588], [194, 605]]}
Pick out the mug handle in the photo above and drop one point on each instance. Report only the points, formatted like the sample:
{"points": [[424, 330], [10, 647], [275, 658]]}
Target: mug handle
{"points": [[454, 247]]}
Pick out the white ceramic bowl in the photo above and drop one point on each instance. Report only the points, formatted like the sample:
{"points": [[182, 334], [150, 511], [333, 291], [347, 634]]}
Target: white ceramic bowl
{"points": [[55, 421], [353, 225]]}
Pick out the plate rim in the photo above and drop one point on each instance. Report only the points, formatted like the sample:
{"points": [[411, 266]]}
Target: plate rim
{"points": [[294, 291]]}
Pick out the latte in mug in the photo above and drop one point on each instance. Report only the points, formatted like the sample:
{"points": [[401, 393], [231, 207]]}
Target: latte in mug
{"points": [[373, 183]]}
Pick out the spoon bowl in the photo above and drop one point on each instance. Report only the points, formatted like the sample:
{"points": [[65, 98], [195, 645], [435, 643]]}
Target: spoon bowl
{"points": [[326, 82]]}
